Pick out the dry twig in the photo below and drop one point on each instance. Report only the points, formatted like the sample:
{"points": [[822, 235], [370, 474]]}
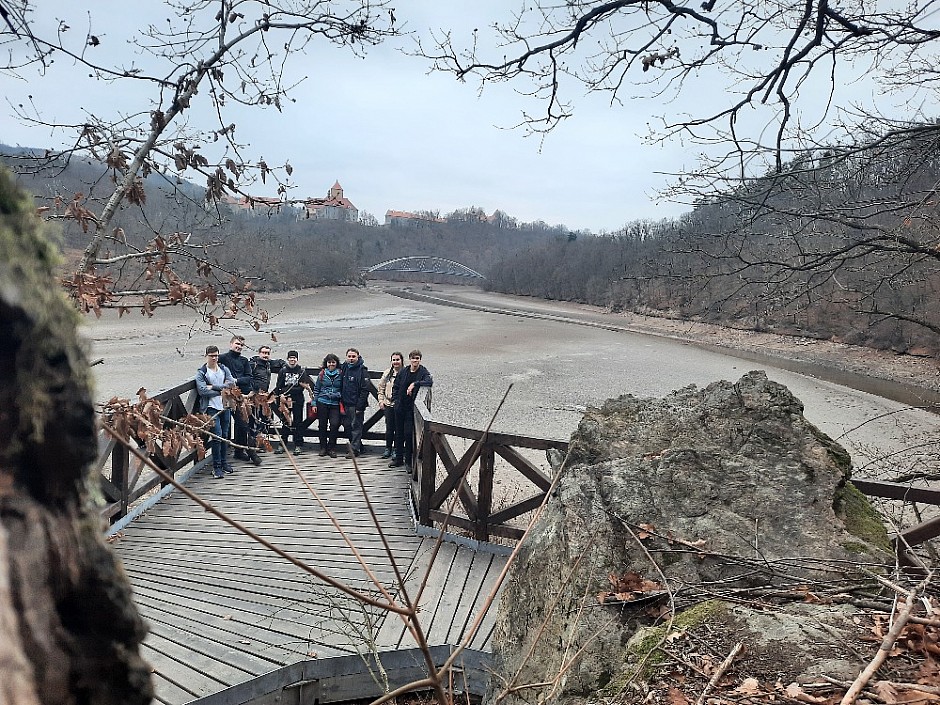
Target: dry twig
{"points": [[887, 643], [720, 671]]}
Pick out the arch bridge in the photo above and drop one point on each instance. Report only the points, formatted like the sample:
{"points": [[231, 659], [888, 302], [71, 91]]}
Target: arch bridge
{"points": [[424, 265]]}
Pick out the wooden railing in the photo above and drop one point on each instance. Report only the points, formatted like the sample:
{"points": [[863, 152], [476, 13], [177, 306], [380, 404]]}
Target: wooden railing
{"points": [[125, 480], [915, 535], [432, 494]]}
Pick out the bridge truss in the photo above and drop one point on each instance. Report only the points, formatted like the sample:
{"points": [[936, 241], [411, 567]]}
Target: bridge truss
{"points": [[425, 265]]}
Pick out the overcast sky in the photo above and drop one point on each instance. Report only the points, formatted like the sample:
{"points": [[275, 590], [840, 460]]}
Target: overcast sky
{"points": [[393, 135]]}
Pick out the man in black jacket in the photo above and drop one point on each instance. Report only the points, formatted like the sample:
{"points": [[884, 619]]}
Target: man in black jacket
{"points": [[403, 396], [240, 367], [292, 380], [356, 386], [262, 368]]}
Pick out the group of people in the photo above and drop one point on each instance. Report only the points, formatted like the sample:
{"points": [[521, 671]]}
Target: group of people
{"points": [[339, 392]]}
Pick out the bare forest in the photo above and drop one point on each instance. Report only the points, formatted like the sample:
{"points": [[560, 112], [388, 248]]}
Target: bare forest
{"points": [[827, 248], [269, 249], [747, 259]]}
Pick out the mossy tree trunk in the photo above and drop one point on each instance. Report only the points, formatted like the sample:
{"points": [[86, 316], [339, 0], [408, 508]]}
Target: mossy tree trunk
{"points": [[69, 632]]}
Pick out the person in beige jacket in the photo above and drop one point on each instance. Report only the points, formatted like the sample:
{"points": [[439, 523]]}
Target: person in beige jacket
{"points": [[386, 384]]}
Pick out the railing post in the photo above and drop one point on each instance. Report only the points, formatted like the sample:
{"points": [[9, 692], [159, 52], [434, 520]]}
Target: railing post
{"points": [[425, 456], [427, 478], [120, 476], [485, 493]]}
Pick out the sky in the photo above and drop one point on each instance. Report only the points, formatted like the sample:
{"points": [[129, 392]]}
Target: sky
{"points": [[395, 136]]}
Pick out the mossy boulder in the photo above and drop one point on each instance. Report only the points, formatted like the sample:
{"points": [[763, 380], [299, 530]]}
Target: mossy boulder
{"points": [[726, 488]]}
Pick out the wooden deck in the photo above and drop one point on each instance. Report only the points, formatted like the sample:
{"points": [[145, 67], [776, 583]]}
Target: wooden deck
{"points": [[223, 610]]}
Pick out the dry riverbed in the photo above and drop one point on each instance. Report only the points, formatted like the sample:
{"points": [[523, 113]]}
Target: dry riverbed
{"points": [[559, 359]]}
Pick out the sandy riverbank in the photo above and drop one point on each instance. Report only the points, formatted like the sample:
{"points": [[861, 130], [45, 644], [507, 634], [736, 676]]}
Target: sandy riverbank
{"points": [[556, 368], [916, 373]]}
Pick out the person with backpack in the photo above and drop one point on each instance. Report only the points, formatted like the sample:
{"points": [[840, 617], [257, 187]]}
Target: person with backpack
{"points": [[327, 394]]}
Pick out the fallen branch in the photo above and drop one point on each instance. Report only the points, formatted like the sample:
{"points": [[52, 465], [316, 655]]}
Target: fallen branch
{"points": [[720, 671], [887, 644], [932, 689]]}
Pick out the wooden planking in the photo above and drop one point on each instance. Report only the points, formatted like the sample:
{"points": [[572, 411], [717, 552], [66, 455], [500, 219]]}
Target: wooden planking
{"points": [[343, 567], [336, 561], [167, 691], [429, 601], [223, 609], [457, 585], [224, 630], [297, 617], [188, 679], [217, 668], [450, 592], [394, 635], [278, 572], [262, 585], [479, 580], [274, 636], [282, 641]]}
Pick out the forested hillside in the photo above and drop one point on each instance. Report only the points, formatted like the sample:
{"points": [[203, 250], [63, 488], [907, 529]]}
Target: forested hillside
{"points": [[275, 251], [831, 248], [823, 249]]}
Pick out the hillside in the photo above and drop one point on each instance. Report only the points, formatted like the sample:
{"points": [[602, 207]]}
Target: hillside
{"points": [[276, 251]]}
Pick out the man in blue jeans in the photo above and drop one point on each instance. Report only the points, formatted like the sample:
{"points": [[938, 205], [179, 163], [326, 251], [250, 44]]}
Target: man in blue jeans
{"points": [[211, 379], [356, 386], [240, 367]]}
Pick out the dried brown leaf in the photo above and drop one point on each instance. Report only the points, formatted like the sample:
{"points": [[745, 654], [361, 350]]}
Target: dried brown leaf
{"points": [[749, 686]]}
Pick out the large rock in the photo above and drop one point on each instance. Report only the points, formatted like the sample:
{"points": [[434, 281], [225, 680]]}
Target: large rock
{"points": [[69, 632], [701, 493]]}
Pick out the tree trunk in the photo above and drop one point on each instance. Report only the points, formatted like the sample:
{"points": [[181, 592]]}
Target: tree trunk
{"points": [[69, 632]]}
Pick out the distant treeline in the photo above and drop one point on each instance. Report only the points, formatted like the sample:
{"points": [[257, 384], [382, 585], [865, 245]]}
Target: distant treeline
{"points": [[276, 250], [841, 245]]}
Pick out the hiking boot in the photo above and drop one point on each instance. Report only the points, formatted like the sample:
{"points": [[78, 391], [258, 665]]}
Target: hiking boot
{"points": [[396, 463], [253, 457], [350, 455], [218, 473], [298, 450], [331, 453], [387, 454], [323, 452], [279, 450]]}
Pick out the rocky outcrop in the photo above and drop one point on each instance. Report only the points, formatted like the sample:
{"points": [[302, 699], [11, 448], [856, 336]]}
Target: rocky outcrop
{"points": [[68, 629], [664, 505]]}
